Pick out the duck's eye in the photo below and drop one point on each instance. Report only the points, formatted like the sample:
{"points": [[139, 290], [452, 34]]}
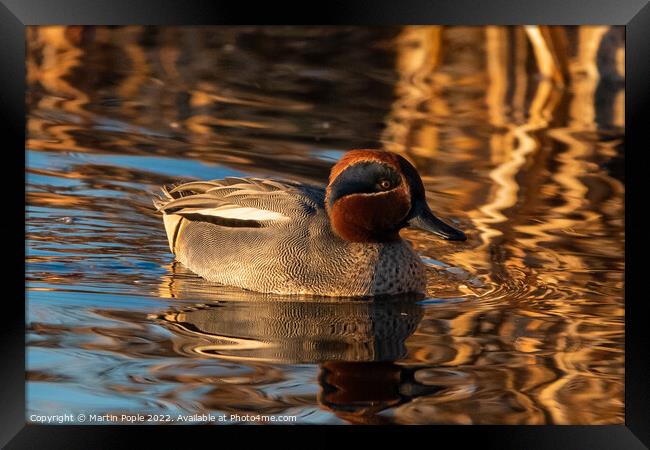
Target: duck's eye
{"points": [[384, 184]]}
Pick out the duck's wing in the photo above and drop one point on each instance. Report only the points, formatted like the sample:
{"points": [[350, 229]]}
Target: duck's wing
{"points": [[243, 202]]}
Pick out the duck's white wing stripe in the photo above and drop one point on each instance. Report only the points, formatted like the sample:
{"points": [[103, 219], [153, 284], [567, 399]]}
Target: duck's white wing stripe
{"points": [[241, 213]]}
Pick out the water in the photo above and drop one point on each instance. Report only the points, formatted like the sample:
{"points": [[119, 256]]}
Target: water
{"points": [[522, 324]]}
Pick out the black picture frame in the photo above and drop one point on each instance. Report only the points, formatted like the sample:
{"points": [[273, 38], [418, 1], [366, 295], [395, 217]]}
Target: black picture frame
{"points": [[633, 14]]}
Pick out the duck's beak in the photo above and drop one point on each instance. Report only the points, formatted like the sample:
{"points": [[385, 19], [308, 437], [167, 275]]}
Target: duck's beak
{"points": [[423, 218]]}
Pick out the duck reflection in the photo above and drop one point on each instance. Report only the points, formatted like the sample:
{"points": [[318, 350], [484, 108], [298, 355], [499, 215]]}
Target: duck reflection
{"points": [[297, 332], [358, 391], [355, 342]]}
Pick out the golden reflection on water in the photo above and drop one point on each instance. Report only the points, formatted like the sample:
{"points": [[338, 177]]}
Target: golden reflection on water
{"points": [[518, 133]]}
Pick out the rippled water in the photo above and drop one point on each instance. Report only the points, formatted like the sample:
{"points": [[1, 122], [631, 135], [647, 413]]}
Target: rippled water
{"points": [[523, 323]]}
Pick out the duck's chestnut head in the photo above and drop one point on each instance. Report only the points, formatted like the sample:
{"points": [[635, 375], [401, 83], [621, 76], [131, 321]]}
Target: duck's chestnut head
{"points": [[373, 194]]}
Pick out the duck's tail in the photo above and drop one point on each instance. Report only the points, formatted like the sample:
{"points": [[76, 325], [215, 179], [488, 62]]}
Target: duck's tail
{"points": [[162, 199], [172, 221]]}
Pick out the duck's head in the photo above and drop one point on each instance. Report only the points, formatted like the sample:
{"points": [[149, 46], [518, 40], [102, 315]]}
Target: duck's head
{"points": [[373, 194]]}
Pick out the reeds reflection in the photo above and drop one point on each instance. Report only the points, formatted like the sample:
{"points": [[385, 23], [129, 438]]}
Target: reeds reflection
{"points": [[517, 131]]}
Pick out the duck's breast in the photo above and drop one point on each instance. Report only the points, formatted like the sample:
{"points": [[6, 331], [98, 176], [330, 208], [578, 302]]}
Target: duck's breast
{"points": [[398, 270]]}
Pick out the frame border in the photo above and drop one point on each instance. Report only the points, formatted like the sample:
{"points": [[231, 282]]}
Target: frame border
{"points": [[634, 14]]}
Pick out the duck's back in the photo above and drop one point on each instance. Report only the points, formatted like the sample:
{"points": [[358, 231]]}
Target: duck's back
{"points": [[272, 236]]}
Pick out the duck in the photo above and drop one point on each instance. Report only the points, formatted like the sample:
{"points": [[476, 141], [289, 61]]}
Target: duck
{"points": [[289, 238]]}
